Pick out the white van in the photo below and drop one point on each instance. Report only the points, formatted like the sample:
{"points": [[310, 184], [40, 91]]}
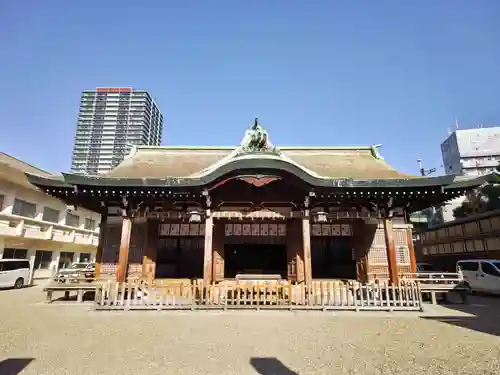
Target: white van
{"points": [[482, 275], [14, 273]]}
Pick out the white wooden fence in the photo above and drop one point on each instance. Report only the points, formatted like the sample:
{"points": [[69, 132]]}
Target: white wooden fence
{"points": [[321, 295]]}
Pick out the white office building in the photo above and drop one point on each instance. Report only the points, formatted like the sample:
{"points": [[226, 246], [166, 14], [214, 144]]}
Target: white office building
{"points": [[470, 152], [110, 121], [41, 228]]}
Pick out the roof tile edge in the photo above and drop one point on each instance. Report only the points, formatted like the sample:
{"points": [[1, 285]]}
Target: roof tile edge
{"points": [[282, 148], [25, 163]]}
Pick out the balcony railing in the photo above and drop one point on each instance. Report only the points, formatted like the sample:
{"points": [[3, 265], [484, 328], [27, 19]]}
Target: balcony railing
{"points": [[19, 226]]}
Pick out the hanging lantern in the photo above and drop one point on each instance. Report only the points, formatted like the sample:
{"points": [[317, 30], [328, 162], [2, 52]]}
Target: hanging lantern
{"points": [[320, 217], [195, 216]]}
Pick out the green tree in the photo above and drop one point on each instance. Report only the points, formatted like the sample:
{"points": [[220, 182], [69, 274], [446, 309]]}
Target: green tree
{"points": [[485, 198]]}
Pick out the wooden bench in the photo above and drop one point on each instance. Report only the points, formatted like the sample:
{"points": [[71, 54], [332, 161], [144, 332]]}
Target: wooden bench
{"points": [[434, 288], [434, 283], [68, 288], [257, 277]]}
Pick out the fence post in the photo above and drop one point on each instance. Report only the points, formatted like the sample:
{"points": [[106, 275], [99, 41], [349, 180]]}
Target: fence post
{"points": [[194, 292], [129, 296], [420, 299], [225, 297], [355, 295], [97, 296]]}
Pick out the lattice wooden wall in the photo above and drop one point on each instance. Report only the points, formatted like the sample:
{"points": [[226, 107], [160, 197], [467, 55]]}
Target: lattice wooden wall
{"points": [[111, 249], [377, 255], [218, 241], [295, 261]]}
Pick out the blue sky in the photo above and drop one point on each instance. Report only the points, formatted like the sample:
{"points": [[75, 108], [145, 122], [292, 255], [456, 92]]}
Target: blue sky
{"points": [[323, 72]]}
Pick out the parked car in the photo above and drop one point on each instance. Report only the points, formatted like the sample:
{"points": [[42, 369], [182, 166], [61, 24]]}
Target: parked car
{"points": [[426, 268], [76, 272], [481, 275], [428, 271], [14, 273]]}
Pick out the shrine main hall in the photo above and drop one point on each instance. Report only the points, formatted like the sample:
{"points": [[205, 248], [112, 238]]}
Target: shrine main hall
{"points": [[217, 213]]}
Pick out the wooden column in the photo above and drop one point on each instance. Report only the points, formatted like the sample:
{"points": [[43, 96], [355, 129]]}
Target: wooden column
{"points": [[218, 237], [207, 259], [362, 242], [306, 245], [391, 251], [149, 257], [411, 249], [294, 249], [100, 245], [121, 272]]}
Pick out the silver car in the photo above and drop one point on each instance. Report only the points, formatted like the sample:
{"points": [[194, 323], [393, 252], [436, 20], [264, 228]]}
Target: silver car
{"points": [[76, 272]]}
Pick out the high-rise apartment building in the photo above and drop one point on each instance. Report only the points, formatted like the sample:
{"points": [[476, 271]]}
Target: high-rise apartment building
{"points": [[110, 122], [470, 152]]}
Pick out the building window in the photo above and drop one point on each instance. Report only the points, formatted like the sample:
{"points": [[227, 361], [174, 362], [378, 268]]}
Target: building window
{"points": [[468, 266], [89, 224], [489, 269], [43, 260], [84, 257], [23, 208], [49, 214], [15, 253], [72, 220], [65, 259]]}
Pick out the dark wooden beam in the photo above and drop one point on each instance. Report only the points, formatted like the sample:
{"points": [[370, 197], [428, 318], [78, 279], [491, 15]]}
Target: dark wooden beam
{"points": [[150, 251]]}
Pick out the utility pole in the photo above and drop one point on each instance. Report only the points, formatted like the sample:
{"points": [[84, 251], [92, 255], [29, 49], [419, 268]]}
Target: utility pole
{"points": [[424, 172]]}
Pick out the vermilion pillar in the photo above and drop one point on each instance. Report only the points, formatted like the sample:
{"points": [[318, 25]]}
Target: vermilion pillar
{"points": [[306, 244], [121, 272], [100, 245], [411, 249], [207, 259], [391, 251]]}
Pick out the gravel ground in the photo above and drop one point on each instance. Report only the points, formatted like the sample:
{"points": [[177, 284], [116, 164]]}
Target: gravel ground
{"points": [[68, 338]]}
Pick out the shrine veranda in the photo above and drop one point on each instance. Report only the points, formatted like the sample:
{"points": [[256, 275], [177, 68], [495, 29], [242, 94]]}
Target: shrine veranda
{"points": [[212, 213]]}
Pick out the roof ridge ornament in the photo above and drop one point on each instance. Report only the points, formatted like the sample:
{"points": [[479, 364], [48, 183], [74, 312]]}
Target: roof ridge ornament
{"points": [[256, 140], [375, 150]]}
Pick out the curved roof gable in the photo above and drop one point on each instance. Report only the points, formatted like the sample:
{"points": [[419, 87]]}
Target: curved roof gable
{"points": [[197, 162], [322, 162]]}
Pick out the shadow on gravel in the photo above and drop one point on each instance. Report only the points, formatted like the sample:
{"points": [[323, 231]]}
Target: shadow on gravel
{"points": [[485, 315], [270, 366], [87, 296], [24, 287], [14, 366]]}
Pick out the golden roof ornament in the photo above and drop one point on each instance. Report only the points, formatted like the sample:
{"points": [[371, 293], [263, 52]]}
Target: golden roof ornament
{"points": [[256, 139]]}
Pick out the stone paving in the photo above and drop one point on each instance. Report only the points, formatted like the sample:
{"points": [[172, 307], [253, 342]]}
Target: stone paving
{"points": [[69, 338]]}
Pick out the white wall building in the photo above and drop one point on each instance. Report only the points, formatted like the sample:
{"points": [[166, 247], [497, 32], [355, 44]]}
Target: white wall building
{"points": [[470, 152], [38, 227]]}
